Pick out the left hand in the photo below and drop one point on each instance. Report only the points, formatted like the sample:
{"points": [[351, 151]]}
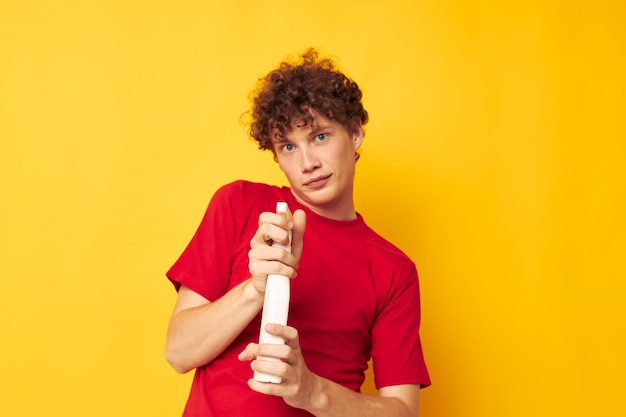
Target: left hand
{"points": [[299, 385]]}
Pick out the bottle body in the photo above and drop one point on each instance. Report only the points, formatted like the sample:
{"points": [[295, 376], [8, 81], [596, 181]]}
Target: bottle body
{"points": [[275, 305]]}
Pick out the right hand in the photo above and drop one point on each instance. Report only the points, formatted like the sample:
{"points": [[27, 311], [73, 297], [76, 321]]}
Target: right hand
{"points": [[265, 259]]}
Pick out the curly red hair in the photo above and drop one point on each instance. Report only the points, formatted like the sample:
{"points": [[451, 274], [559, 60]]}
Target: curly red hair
{"points": [[289, 92]]}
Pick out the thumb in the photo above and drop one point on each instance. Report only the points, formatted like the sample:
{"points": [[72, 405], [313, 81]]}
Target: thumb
{"points": [[297, 232]]}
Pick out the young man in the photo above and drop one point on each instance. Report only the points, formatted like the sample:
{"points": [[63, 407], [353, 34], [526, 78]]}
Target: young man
{"points": [[354, 296]]}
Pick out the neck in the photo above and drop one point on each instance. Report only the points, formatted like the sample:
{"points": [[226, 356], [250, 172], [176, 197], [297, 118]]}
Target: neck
{"points": [[339, 210]]}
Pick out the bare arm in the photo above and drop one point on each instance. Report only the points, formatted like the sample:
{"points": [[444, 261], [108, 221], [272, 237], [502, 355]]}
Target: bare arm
{"points": [[393, 401], [199, 330]]}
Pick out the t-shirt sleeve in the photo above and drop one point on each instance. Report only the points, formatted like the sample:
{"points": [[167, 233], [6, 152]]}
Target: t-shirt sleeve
{"points": [[396, 347], [204, 266]]}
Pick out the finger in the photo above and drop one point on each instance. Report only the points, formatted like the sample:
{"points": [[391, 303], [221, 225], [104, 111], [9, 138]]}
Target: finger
{"points": [[270, 253], [249, 353], [287, 333], [269, 233], [266, 365], [267, 388], [264, 267], [274, 351], [273, 218]]}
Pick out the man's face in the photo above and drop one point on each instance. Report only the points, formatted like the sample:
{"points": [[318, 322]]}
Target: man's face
{"points": [[318, 158]]}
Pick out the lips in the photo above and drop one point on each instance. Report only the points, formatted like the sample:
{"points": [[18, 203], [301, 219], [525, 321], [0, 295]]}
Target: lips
{"points": [[317, 182]]}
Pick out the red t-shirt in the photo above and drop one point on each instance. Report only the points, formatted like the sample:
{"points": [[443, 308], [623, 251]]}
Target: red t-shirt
{"points": [[356, 296]]}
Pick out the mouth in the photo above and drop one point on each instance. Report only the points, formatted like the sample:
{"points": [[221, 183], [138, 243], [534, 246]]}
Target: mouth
{"points": [[317, 182]]}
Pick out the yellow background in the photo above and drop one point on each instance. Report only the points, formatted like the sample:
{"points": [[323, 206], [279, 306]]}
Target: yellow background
{"points": [[494, 158]]}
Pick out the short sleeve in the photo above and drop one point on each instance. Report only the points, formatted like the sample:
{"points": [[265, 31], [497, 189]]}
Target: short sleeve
{"points": [[396, 347], [205, 266]]}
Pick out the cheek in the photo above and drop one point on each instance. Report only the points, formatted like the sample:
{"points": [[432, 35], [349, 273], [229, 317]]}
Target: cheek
{"points": [[348, 155], [288, 170]]}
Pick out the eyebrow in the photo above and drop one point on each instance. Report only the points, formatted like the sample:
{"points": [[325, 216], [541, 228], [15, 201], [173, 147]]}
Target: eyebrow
{"points": [[315, 130], [279, 140]]}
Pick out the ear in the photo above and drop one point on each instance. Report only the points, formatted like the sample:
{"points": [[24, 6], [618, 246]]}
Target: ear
{"points": [[357, 133]]}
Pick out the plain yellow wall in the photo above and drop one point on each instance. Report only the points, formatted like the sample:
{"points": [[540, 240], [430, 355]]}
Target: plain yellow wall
{"points": [[494, 158]]}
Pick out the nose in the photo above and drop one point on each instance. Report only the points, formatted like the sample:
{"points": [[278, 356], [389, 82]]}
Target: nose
{"points": [[309, 161]]}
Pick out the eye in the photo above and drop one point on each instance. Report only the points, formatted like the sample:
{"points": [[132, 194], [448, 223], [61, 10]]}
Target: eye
{"points": [[321, 136], [288, 147]]}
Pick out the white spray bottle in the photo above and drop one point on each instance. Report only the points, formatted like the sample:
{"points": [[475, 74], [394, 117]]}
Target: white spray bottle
{"points": [[275, 304]]}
